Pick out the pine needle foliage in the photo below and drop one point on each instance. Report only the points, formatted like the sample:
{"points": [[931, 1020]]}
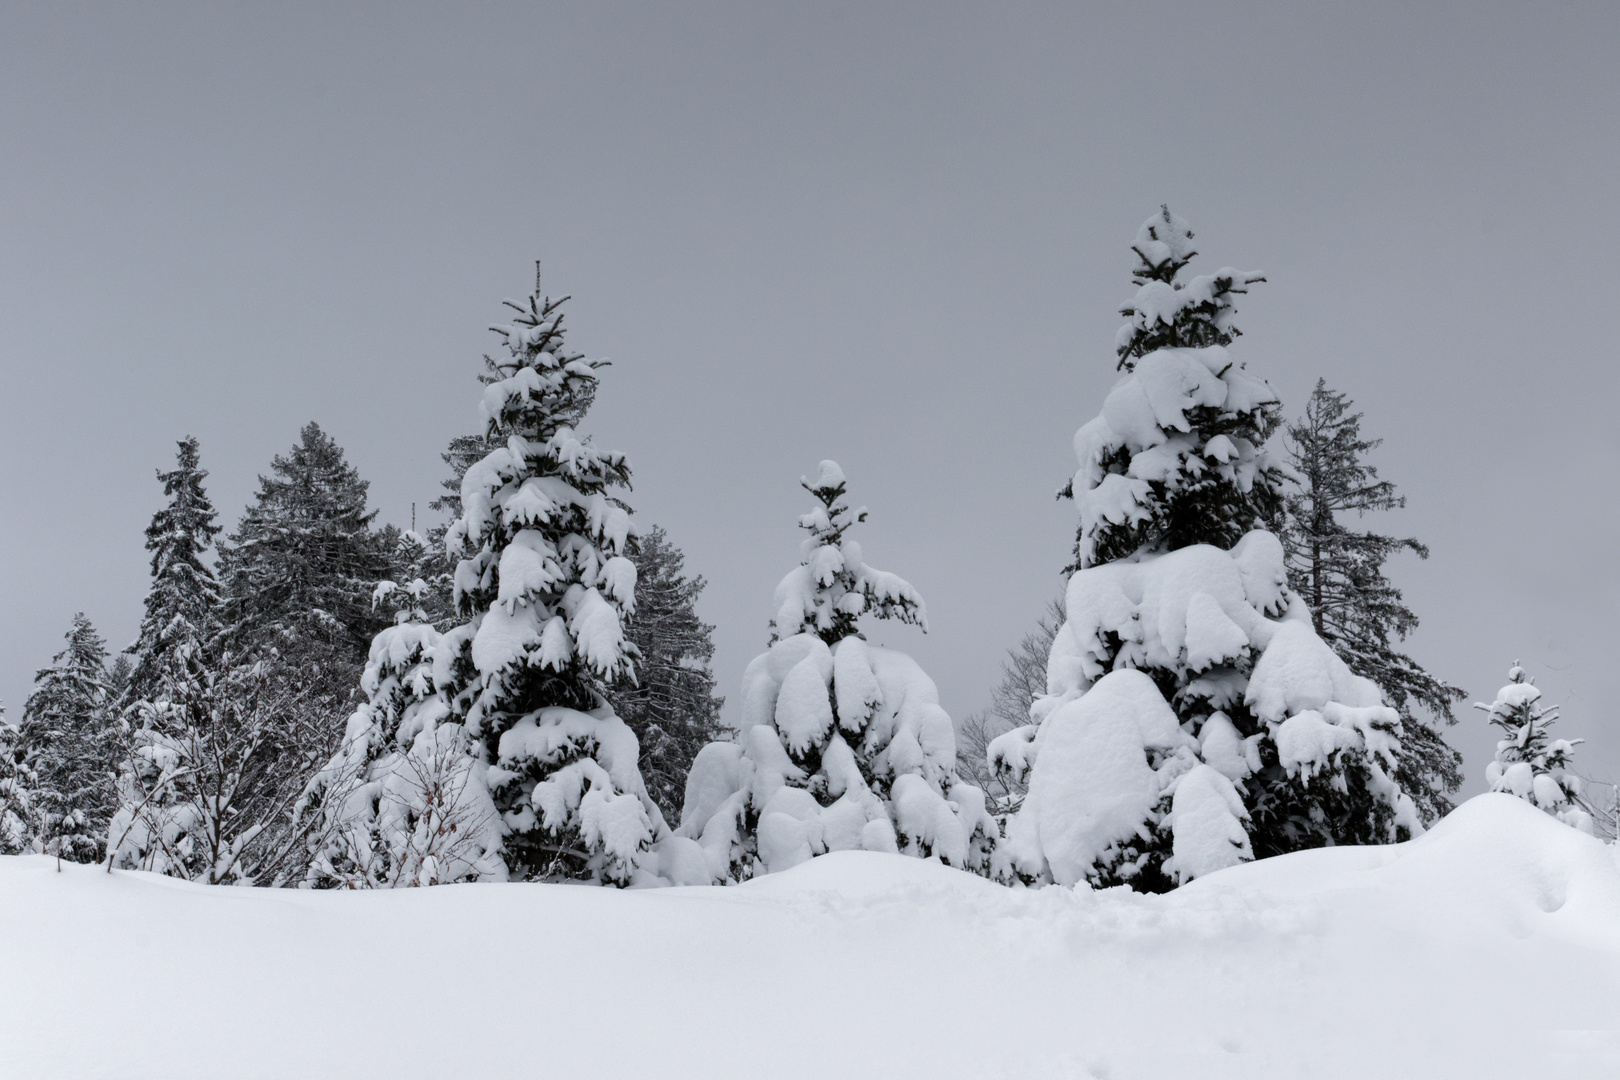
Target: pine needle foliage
{"points": [[71, 746], [183, 600], [1357, 610], [671, 705]]}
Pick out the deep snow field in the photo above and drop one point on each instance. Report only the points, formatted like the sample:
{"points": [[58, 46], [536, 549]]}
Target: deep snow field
{"points": [[1488, 948]]}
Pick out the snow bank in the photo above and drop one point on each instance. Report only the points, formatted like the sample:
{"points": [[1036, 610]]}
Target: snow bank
{"points": [[1337, 963]]}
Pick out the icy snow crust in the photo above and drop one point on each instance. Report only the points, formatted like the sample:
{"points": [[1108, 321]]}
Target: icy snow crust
{"points": [[1334, 963]]}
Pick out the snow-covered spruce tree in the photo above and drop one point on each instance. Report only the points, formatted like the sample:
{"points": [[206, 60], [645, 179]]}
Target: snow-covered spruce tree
{"points": [[1152, 483], [298, 574], [17, 828], [843, 745], [72, 744], [546, 587], [670, 704], [1354, 607], [1192, 717], [182, 603], [1530, 763]]}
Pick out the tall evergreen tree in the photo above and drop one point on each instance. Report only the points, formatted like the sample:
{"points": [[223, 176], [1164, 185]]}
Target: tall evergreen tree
{"points": [[1191, 717], [72, 745], [546, 587], [299, 571], [183, 600], [671, 704], [1355, 608]]}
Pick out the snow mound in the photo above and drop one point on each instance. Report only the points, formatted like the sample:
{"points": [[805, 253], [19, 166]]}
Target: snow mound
{"points": [[1334, 963]]}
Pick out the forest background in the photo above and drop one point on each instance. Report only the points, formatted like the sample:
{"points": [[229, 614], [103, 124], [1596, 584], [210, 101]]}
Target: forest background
{"points": [[891, 236]]}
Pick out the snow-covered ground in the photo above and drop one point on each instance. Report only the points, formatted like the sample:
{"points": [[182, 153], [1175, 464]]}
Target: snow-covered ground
{"points": [[1488, 948]]}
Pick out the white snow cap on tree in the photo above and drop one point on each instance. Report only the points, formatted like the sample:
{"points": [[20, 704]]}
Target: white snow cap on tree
{"points": [[1177, 456], [842, 745], [832, 586], [1154, 442], [1528, 763], [1166, 313], [1109, 763]]}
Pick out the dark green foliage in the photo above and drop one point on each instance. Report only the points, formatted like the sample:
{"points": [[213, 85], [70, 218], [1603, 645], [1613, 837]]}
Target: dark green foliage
{"points": [[299, 573], [671, 705], [182, 603], [72, 744], [1200, 503], [1356, 609]]}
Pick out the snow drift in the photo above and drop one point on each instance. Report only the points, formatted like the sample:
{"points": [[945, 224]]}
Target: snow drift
{"points": [[1398, 961]]}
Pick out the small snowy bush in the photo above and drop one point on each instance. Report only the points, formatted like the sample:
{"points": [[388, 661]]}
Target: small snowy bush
{"points": [[1529, 763], [843, 745]]}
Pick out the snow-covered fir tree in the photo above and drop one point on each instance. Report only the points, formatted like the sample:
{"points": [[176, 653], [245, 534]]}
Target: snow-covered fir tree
{"points": [[17, 783], [1192, 717], [1529, 762], [843, 745], [1178, 455], [670, 704], [72, 744], [490, 751], [546, 586], [298, 574], [182, 603], [1358, 611]]}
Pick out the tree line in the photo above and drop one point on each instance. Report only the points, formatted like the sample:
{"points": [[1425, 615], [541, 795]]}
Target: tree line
{"points": [[525, 693]]}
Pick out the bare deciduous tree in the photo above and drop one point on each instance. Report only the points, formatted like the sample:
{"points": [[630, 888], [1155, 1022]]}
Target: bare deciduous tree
{"points": [[1023, 675], [219, 763]]}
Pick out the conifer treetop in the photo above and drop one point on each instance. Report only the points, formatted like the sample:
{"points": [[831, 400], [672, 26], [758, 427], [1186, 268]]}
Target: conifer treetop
{"points": [[548, 579], [181, 603], [77, 675], [832, 586], [1167, 314]]}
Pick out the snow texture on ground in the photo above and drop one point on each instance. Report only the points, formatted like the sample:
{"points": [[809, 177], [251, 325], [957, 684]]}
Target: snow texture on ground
{"points": [[1489, 947]]}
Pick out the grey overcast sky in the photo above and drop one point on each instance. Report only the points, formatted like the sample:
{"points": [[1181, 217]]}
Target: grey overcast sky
{"points": [[891, 234]]}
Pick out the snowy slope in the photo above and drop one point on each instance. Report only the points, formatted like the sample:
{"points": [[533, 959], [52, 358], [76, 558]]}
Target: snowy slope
{"points": [[1489, 947]]}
